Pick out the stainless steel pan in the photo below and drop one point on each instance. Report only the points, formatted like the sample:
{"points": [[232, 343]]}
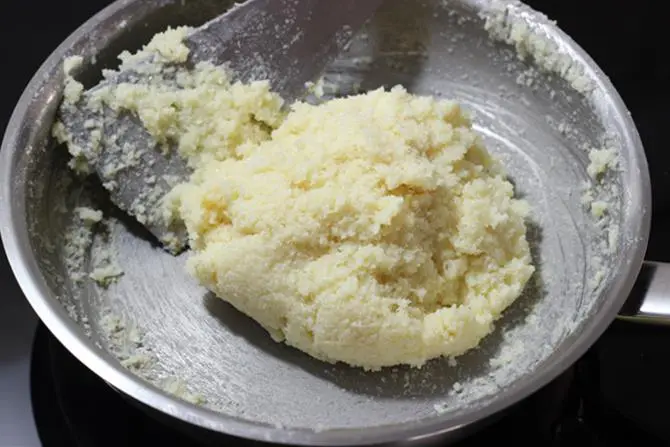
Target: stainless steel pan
{"points": [[160, 339]]}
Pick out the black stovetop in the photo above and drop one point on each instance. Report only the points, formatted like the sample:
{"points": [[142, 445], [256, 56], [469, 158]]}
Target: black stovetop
{"points": [[617, 393]]}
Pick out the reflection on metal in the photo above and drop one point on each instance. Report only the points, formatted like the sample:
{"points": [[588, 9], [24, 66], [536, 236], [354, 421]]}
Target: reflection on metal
{"points": [[650, 298]]}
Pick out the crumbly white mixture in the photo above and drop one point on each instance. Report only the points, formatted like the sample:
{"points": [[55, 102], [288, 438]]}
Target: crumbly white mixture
{"points": [[73, 89], [245, 114], [531, 44], [375, 230], [88, 215], [393, 242], [156, 85], [72, 93], [124, 337], [106, 274], [102, 266], [78, 240], [105, 268], [179, 388], [126, 340], [600, 160], [598, 208], [194, 108]]}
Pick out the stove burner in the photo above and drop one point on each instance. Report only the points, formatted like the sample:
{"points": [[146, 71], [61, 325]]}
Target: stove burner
{"points": [[74, 407]]}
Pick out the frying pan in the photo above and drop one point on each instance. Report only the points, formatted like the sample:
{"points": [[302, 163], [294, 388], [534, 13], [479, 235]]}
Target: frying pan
{"points": [[542, 106]]}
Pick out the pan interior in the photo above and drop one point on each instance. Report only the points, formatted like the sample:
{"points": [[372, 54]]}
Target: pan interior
{"points": [[168, 330]]}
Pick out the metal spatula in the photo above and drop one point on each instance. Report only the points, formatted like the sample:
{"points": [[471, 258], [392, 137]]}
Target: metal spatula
{"points": [[291, 42]]}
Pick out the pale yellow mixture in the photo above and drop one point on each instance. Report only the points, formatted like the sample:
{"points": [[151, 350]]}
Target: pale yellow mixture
{"points": [[375, 230]]}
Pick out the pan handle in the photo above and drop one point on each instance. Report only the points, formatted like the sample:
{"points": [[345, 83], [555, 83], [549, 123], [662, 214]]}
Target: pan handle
{"points": [[649, 301]]}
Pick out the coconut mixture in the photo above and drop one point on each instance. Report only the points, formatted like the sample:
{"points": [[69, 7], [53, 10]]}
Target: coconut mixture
{"points": [[375, 229]]}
